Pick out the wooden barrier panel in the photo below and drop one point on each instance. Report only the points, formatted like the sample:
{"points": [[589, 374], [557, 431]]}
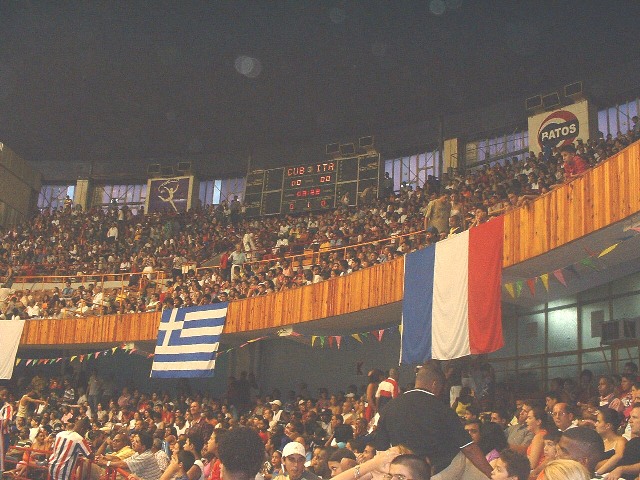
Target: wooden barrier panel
{"points": [[603, 195]]}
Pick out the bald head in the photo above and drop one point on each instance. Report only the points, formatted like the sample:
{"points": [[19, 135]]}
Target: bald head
{"points": [[430, 377]]}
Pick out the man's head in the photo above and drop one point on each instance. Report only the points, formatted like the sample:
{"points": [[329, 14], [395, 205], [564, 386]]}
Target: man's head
{"points": [[186, 460], [408, 467], [241, 453], [567, 152], [634, 420], [562, 415], [393, 373], [429, 377], [294, 456], [142, 442], [473, 429], [341, 460], [582, 444], [605, 385], [499, 416]]}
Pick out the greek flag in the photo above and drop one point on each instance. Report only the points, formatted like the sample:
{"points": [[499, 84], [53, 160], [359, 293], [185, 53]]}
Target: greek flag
{"points": [[188, 341]]}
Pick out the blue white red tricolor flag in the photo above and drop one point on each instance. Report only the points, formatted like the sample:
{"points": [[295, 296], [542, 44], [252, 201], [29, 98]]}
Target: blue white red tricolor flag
{"points": [[452, 293], [188, 340]]}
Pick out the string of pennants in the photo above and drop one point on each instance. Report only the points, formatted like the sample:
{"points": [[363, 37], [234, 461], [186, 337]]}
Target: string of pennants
{"points": [[320, 341], [591, 261], [32, 362]]}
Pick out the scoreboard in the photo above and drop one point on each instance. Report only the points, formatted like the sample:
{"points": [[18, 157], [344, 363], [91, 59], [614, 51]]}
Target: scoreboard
{"points": [[313, 186]]}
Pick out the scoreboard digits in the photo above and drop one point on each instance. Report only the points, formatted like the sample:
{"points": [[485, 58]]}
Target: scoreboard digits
{"points": [[309, 187]]}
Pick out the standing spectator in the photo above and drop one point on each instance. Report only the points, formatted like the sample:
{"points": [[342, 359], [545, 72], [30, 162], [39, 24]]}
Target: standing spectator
{"points": [[387, 389], [421, 422], [67, 448]]}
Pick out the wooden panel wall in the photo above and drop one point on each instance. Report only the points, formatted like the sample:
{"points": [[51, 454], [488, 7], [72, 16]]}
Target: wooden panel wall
{"points": [[602, 196], [376, 286], [106, 329]]}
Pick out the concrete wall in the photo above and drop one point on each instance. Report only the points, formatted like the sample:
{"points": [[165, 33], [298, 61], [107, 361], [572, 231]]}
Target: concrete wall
{"points": [[19, 187]]}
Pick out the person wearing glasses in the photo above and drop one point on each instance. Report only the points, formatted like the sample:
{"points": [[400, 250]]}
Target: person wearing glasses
{"points": [[563, 416], [397, 463]]}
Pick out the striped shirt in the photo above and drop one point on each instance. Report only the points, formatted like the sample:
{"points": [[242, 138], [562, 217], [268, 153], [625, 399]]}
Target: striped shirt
{"points": [[6, 415], [387, 390], [67, 447]]}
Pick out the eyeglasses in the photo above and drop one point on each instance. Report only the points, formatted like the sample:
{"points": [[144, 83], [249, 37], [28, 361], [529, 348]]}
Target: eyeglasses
{"points": [[395, 476]]}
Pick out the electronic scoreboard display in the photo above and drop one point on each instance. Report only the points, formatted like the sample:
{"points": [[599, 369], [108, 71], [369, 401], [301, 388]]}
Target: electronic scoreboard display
{"points": [[313, 186]]}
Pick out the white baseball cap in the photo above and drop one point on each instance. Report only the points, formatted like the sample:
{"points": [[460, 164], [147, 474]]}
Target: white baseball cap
{"points": [[293, 448]]}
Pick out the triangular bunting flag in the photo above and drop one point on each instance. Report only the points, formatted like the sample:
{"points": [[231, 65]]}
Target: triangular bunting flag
{"points": [[338, 340], [330, 342], [519, 285], [18, 361], [531, 283], [322, 339], [400, 328], [73, 358], [29, 362], [509, 288], [357, 337], [560, 276], [113, 350], [608, 250], [380, 333], [58, 360], [635, 229], [588, 262], [313, 339], [365, 334], [545, 281], [82, 358]]}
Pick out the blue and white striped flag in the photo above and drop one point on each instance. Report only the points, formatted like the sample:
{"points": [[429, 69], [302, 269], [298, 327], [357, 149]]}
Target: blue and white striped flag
{"points": [[188, 340]]}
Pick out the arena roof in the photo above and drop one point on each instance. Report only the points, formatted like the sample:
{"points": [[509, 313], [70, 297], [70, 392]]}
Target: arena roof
{"points": [[95, 81]]}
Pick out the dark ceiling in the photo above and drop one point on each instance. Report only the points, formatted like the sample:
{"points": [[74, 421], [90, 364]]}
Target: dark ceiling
{"points": [[97, 80]]}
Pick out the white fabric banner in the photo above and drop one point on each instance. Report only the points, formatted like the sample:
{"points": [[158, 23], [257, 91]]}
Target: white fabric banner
{"points": [[10, 332]]}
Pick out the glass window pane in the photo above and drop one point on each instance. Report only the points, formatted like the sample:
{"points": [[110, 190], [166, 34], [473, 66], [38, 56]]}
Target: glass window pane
{"points": [[613, 121], [563, 330], [625, 120], [626, 307], [627, 354], [531, 334], [598, 361], [603, 125], [565, 366]]}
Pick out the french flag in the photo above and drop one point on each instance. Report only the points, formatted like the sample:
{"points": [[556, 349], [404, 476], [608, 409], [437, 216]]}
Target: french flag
{"points": [[452, 293]]}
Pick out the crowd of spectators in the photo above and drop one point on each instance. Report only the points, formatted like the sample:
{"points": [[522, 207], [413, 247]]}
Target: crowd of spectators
{"points": [[336, 431], [258, 256]]}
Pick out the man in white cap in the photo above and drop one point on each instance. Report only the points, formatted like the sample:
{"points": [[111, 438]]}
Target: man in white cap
{"points": [[276, 407], [293, 458]]}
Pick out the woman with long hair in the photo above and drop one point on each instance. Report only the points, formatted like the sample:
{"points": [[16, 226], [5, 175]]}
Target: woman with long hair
{"points": [[607, 423], [538, 423]]}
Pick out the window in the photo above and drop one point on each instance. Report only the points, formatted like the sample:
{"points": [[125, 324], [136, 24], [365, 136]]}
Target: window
{"points": [[413, 169], [134, 196], [53, 196], [481, 151], [214, 192]]}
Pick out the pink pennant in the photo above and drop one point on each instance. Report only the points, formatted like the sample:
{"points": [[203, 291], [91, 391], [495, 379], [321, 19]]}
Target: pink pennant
{"points": [[560, 276]]}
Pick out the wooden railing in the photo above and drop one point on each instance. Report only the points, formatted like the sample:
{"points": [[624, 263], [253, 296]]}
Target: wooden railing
{"points": [[602, 196], [605, 194]]}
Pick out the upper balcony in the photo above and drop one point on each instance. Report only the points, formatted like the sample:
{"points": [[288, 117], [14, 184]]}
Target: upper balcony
{"points": [[575, 221]]}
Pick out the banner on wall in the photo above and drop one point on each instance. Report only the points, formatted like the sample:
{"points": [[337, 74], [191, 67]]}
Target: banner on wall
{"points": [[562, 127], [169, 194]]}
